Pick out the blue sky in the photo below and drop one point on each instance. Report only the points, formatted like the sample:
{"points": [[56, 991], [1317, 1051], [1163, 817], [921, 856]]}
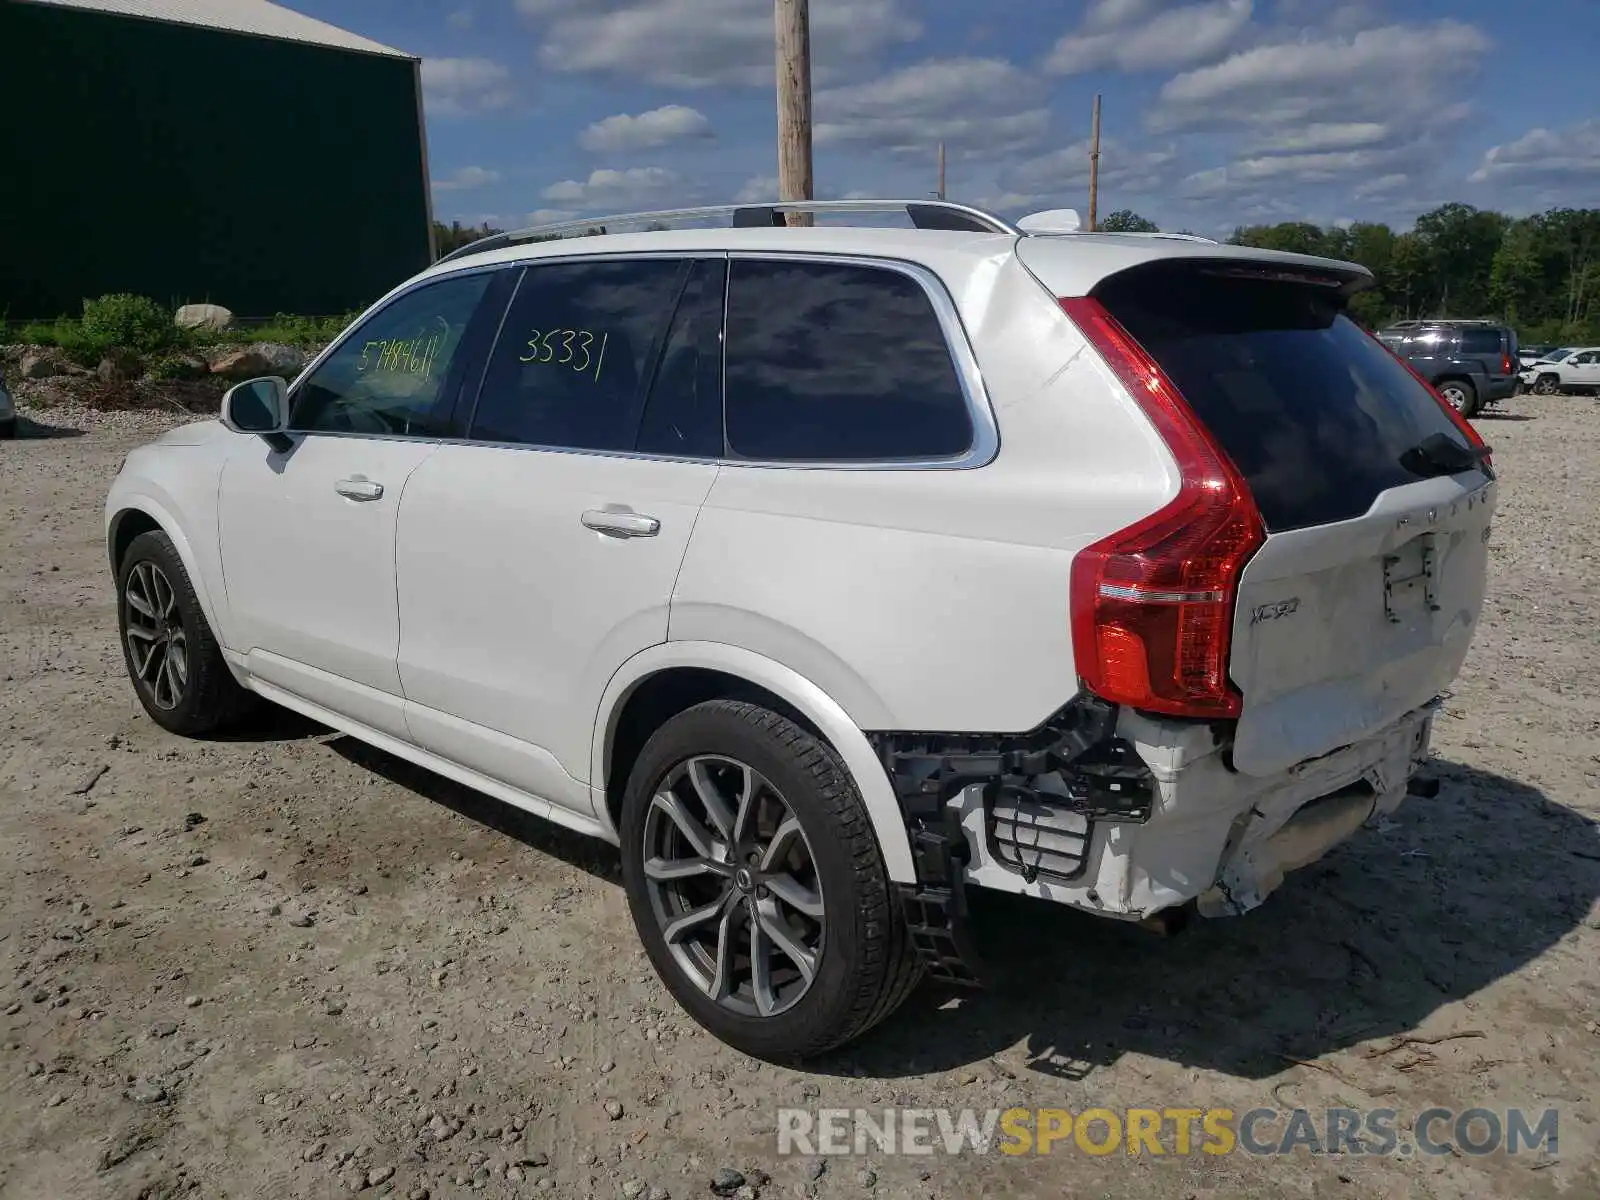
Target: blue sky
{"points": [[1216, 112]]}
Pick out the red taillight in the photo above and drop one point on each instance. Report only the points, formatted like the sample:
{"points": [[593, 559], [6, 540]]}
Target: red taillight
{"points": [[1474, 439], [1505, 364], [1152, 605]]}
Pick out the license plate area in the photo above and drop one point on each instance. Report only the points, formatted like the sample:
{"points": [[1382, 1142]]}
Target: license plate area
{"points": [[1411, 578]]}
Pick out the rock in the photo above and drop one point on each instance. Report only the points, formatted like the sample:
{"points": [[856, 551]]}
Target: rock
{"points": [[191, 1001], [202, 316], [379, 1175], [727, 1181], [163, 1029], [660, 1193], [866, 1177], [417, 1193], [537, 1159], [302, 921], [240, 364], [614, 1109], [37, 366], [118, 365], [816, 1169], [146, 1091], [314, 1152], [633, 1189]]}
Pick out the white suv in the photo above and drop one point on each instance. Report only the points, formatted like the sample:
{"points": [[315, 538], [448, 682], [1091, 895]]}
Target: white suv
{"points": [[1564, 370], [830, 571]]}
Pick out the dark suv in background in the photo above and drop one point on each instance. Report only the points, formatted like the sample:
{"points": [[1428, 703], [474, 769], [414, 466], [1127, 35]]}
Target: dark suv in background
{"points": [[1472, 363]]}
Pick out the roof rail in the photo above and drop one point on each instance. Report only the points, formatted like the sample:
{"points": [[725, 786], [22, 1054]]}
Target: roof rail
{"points": [[1413, 322], [924, 214]]}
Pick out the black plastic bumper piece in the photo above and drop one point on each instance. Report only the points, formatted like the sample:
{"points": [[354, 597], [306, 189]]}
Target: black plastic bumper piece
{"points": [[1070, 768]]}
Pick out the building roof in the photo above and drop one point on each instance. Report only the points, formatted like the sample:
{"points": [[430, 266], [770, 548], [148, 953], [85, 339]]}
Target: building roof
{"points": [[260, 18]]}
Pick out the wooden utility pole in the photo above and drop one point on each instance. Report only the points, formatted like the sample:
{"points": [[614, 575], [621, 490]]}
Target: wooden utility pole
{"points": [[793, 24], [941, 170], [1094, 162]]}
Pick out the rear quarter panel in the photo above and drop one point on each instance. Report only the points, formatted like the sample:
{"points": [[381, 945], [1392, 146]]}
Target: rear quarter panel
{"points": [[937, 599]]}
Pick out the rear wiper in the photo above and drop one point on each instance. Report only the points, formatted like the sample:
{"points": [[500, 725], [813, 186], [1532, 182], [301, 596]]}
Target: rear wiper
{"points": [[1441, 454]]}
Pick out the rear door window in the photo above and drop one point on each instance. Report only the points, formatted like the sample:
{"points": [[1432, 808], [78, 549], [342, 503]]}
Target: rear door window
{"points": [[1316, 414], [576, 353], [838, 362]]}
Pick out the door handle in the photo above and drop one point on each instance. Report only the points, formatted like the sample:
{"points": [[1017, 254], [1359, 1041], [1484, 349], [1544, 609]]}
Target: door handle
{"points": [[620, 524], [359, 489]]}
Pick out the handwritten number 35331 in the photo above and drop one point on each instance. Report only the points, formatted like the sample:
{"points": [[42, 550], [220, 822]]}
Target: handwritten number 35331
{"points": [[567, 347]]}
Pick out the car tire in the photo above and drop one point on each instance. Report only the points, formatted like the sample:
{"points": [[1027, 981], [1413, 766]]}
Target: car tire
{"points": [[172, 656], [8, 430], [1460, 395], [803, 826], [1546, 385]]}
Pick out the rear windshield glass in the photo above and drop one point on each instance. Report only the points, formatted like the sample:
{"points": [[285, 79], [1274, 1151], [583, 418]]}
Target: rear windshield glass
{"points": [[1315, 413]]}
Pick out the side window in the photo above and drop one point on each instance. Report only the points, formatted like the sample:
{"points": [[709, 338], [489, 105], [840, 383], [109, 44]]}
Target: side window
{"points": [[836, 362], [684, 412], [1584, 360], [1480, 341], [388, 376], [575, 353]]}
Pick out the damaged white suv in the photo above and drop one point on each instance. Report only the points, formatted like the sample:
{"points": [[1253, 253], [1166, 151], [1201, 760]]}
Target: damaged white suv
{"points": [[829, 571]]}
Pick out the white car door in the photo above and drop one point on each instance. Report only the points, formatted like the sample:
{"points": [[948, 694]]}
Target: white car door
{"points": [[539, 555], [1582, 370], [307, 532]]}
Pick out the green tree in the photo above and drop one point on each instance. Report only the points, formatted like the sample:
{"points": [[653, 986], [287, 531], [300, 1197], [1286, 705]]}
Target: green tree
{"points": [[1125, 220], [1297, 237]]}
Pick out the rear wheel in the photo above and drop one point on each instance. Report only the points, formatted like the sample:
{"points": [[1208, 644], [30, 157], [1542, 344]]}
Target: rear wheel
{"points": [[757, 885], [8, 429], [1546, 385], [1460, 395], [172, 657]]}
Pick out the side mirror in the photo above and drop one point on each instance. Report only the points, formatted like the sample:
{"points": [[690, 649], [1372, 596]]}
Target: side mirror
{"points": [[259, 406]]}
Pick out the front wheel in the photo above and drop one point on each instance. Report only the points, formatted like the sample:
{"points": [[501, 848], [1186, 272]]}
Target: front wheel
{"points": [[757, 886], [172, 657], [1546, 385]]}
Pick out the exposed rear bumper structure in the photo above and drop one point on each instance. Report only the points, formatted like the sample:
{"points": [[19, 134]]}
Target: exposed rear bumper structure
{"points": [[1126, 816]]}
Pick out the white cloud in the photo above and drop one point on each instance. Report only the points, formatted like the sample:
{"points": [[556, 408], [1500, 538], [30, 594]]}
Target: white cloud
{"points": [[1245, 173], [757, 187], [979, 107], [705, 43], [457, 86], [466, 177], [1378, 75], [670, 123], [550, 216], [1323, 135], [636, 188], [1123, 170], [1115, 35], [1382, 185], [1545, 155]]}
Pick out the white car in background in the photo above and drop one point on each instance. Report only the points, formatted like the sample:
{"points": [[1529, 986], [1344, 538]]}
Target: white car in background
{"points": [[831, 571], [1573, 369]]}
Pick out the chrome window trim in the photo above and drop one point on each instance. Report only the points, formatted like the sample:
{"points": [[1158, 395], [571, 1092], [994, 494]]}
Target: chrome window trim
{"points": [[981, 452]]}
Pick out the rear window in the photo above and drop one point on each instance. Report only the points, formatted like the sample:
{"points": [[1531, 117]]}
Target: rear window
{"points": [[1315, 413], [1480, 341], [835, 362]]}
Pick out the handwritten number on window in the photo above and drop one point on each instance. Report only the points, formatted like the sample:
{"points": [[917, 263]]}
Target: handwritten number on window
{"points": [[541, 349]]}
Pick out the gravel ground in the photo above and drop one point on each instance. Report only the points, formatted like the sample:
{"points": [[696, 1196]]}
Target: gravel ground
{"points": [[288, 965]]}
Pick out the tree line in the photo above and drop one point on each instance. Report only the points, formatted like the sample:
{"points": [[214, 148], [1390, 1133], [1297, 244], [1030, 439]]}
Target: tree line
{"points": [[1540, 274]]}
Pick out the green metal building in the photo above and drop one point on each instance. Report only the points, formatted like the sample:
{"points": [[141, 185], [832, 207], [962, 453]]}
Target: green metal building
{"points": [[231, 151]]}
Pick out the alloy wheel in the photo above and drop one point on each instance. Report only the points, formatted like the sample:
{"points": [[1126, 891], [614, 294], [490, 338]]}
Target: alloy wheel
{"points": [[1454, 396], [157, 645], [733, 885]]}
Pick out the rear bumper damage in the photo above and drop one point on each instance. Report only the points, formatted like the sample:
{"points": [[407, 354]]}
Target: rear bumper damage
{"points": [[1129, 816]]}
